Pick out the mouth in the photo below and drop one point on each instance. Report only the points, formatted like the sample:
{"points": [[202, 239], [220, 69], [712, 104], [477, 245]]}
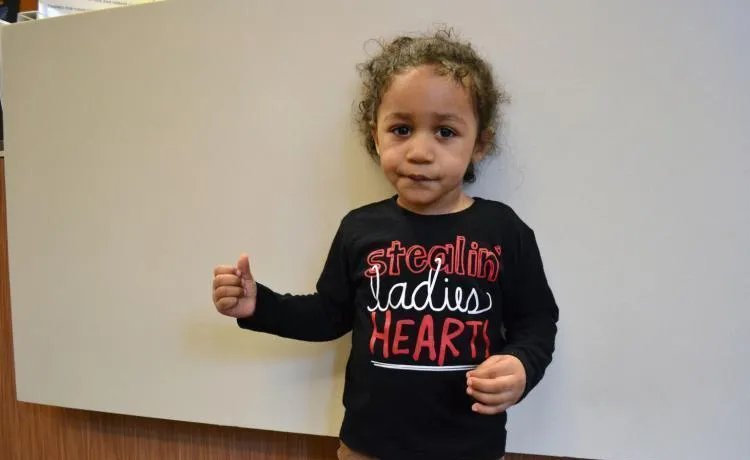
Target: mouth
{"points": [[418, 177]]}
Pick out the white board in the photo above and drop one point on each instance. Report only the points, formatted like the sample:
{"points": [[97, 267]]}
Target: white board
{"points": [[54, 8], [136, 161]]}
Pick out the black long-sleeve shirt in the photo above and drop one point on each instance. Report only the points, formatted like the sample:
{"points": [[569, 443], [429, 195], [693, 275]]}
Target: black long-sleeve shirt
{"points": [[426, 297]]}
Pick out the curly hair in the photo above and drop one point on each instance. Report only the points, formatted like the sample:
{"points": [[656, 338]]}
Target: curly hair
{"points": [[449, 56]]}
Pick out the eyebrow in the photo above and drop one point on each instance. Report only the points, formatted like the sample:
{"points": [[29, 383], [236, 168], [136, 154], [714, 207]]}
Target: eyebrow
{"points": [[439, 116]]}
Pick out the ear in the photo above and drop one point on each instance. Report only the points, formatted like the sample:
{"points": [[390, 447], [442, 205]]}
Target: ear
{"points": [[482, 146]]}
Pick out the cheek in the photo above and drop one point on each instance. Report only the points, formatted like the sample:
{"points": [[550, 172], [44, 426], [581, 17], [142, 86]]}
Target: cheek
{"points": [[453, 154], [389, 160], [456, 163]]}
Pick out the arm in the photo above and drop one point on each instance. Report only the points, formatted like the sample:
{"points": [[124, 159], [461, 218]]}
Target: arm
{"points": [[324, 315], [530, 313]]}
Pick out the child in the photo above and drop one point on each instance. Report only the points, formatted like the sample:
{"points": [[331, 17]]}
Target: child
{"points": [[452, 318]]}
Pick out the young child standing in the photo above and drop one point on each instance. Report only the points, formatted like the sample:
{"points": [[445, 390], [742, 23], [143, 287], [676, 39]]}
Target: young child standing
{"points": [[451, 315]]}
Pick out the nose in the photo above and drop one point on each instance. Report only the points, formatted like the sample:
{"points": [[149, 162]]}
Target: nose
{"points": [[421, 149]]}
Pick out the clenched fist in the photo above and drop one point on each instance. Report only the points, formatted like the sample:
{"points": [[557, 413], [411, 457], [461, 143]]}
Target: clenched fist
{"points": [[234, 289], [497, 384]]}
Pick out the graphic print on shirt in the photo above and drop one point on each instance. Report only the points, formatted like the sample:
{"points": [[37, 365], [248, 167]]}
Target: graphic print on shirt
{"points": [[428, 309]]}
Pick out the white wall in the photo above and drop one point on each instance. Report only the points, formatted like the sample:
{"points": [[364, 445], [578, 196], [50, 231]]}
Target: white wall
{"points": [[137, 160]]}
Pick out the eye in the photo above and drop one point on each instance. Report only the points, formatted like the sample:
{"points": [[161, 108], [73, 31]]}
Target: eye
{"points": [[446, 132], [401, 130]]}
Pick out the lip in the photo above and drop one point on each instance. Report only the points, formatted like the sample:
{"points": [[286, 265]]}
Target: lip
{"points": [[417, 177]]}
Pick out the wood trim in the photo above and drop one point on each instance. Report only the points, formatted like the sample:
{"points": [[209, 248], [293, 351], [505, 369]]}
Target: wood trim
{"points": [[35, 432], [28, 5]]}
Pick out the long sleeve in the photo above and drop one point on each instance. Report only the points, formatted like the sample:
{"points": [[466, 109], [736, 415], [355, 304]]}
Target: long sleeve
{"points": [[530, 313], [324, 315]]}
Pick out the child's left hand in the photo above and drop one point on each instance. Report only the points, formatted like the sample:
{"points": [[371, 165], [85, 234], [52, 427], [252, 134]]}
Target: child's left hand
{"points": [[496, 384]]}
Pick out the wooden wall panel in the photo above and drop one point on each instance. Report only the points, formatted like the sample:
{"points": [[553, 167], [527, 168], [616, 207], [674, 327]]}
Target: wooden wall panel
{"points": [[37, 432]]}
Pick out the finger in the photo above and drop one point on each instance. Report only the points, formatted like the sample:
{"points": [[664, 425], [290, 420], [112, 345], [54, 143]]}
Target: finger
{"points": [[486, 369], [243, 265], [495, 366], [226, 280], [228, 291], [224, 270], [492, 385], [491, 399], [489, 409], [226, 303]]}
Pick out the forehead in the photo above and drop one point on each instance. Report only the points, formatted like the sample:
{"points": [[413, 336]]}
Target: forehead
{"points": [[421, 91]]}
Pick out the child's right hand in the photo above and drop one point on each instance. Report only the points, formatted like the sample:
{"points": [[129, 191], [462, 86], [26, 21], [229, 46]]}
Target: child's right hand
{"points": [[234, 289]]}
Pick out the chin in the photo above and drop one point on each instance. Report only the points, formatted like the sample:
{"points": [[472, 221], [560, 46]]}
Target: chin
{"points": [[418, 198]]}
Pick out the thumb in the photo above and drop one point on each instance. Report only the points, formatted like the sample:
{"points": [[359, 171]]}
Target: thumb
{"points": [[243, 265]]}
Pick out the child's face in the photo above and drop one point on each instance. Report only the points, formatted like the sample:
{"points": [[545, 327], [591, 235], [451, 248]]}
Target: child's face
{"points": [[426, 136]]}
